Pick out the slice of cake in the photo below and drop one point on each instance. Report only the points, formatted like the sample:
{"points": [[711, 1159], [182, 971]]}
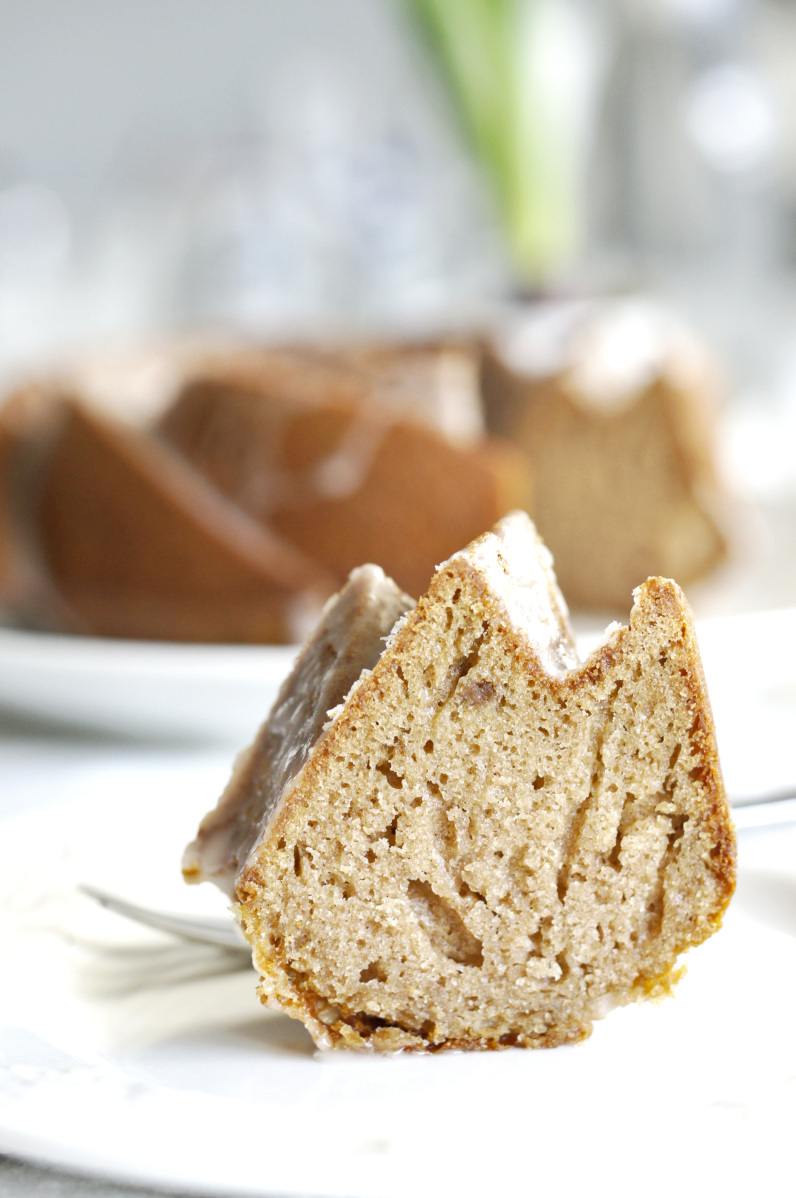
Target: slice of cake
{"points": [[482, 841], [345, 482], [615, 405], [136, 544]]}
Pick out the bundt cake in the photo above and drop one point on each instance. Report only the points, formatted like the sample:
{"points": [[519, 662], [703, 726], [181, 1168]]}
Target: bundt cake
{"points": [[466, 837]]}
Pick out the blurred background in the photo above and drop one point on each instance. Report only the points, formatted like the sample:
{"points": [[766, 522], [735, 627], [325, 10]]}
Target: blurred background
{"points": [[378, 166], [373, 163]]}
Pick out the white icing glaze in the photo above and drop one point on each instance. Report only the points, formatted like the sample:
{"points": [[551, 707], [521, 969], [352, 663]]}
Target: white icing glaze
{"points": [[348, 640], [459, 413], [389, 640], [538, 344], [607, 352], [518, 569]]}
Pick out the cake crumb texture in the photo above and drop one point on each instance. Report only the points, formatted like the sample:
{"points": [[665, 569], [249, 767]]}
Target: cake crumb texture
{"points": [[492, 843]]}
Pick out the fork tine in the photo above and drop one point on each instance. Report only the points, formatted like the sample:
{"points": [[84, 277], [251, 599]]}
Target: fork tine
{"points": [[206, 930]]}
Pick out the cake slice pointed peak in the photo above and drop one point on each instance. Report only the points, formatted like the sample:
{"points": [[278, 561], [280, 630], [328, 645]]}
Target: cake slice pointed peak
{"points": [[487, 842]]}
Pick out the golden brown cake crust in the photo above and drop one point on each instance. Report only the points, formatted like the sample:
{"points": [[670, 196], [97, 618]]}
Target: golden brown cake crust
{"points": [[487, 848], [138, 545]]}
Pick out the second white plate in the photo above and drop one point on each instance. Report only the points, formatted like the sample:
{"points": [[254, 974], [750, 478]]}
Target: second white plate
{"points": [[142, 688]]}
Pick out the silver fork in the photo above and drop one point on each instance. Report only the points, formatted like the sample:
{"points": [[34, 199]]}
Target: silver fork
{"points": [[205, 929], [759, 812]]}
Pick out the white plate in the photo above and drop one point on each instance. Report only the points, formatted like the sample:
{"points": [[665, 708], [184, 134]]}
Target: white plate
{"points": [[141, 688], [127, 1056], [750, 667]]}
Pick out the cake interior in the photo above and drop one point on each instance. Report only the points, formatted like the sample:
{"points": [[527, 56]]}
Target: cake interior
{"points": [[493, 843]]}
